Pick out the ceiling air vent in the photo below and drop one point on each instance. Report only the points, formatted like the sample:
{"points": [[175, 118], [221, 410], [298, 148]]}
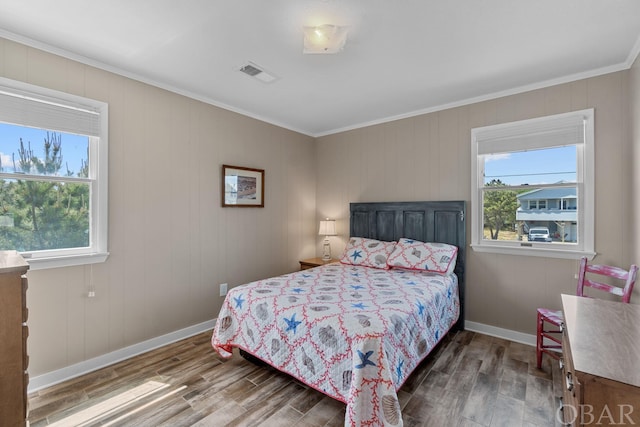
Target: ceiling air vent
{"points": [[257, 72]]}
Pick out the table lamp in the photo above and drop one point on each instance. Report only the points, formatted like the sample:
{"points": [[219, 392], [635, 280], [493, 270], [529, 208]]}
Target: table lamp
{"points": [[327, 228]]}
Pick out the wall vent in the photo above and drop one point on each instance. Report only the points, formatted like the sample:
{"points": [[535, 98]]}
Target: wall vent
{"points": [[257, 72]]}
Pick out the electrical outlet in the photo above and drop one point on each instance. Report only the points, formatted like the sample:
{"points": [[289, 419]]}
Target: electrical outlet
{"points": [[91, 294], [223, 289]]}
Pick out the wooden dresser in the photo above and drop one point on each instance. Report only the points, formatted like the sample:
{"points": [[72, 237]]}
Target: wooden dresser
{"points": [[601, 362], [13, 340]]}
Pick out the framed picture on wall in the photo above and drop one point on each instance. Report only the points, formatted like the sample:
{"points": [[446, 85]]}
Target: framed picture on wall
{"points": [[242, 187]]}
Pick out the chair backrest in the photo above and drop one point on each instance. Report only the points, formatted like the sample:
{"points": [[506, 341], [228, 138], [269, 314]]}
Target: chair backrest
{"points": [[628, 277]]}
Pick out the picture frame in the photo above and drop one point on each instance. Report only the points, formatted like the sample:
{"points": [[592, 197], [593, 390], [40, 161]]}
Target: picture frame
{"points": [[242, 187]]}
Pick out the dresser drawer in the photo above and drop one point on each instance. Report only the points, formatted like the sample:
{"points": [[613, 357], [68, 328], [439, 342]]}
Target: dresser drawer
{"points": [[25, 397], [25, 310], [25, 355]]}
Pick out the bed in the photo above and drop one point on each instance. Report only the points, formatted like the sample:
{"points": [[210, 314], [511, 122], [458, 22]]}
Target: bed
{"points": [[356, 330]]}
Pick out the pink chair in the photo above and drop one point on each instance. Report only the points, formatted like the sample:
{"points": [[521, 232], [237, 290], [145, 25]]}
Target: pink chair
{"points": [[549, 341]]}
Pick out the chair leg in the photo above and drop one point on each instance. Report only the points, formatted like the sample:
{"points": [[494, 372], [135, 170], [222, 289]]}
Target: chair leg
{"points": [[539, 341]]}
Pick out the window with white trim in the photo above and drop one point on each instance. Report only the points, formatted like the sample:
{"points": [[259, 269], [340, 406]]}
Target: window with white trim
{"points": [[53, 176], [533, 186]]}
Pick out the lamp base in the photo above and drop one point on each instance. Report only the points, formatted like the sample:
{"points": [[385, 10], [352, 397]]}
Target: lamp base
{"points": [[326, 250]]}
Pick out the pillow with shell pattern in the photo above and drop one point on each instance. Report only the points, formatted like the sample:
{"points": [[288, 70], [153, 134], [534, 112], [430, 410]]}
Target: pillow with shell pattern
{"points": [[367, 252], [415, 255]]}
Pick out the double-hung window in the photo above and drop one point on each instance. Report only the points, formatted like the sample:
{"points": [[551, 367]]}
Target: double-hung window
{"points": [[53, 176], [533, 186]]}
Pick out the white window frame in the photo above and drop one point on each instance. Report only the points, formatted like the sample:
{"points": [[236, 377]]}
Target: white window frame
{"points": [[534, 134], [24, 104]]}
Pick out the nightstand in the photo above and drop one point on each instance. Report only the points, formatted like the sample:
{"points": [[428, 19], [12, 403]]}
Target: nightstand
{"points": [[314, 262]]}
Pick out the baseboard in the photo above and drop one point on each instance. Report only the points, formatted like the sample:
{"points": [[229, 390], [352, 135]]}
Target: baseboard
{"points": [[506, 334], [54, 377]]}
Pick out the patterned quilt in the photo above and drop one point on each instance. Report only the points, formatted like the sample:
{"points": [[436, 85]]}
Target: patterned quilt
{"points": [[354, 333]]}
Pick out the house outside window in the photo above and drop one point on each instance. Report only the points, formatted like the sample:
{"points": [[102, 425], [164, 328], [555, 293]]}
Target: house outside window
{"points": [[53, 176], [532, 186], [560, 218]]}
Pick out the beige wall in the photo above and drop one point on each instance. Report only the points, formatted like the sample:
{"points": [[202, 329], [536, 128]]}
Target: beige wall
{"points": [[428, 158], [171, 243], [634, 116]]}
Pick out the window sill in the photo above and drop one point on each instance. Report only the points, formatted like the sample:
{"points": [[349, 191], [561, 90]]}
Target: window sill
{"points": [[64, 261], [537, 252]]}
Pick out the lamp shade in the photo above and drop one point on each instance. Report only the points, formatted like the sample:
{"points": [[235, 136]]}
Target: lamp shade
{"points": [[327, 227]]}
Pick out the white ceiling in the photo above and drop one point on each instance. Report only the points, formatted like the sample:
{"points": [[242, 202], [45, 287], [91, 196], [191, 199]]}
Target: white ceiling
{"points": [[402, 57]]}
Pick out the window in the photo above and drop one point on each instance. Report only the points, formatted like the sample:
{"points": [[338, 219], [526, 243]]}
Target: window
{"points": [[53, 176], [536, 175]]}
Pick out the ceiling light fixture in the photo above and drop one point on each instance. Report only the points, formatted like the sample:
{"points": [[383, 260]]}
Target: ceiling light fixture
{"points": [[324, 39]]}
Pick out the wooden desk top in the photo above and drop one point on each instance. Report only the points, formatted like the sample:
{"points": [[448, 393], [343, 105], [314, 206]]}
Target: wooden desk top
{"points": [[604, 337]]}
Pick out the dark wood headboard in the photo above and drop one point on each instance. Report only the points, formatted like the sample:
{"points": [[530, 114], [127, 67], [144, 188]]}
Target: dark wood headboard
{"points": [[442, 222]]}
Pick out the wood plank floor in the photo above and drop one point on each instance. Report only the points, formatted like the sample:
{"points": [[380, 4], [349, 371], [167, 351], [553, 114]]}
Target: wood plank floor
{"points": [[469, 380]]}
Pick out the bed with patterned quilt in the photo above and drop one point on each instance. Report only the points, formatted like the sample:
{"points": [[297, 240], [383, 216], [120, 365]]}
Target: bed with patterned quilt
{"points": [[357, 329]]}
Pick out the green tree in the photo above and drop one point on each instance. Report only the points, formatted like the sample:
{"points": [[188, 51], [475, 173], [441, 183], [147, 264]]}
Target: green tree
{"points": [[47, 214], [499, 208], [37, 194]]}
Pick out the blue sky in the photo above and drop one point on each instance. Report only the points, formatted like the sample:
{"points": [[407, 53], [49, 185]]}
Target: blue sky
{"points": [[544, 166], [74, 147]]}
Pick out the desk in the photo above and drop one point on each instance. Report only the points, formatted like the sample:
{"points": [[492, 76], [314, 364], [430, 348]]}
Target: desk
{"points": [[601, 362]]}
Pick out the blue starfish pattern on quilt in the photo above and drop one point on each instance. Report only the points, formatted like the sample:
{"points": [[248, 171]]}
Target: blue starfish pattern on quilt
{"points": [[292, 324], [399, 370], [355, 255], [364, 359], [238, 300]]}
